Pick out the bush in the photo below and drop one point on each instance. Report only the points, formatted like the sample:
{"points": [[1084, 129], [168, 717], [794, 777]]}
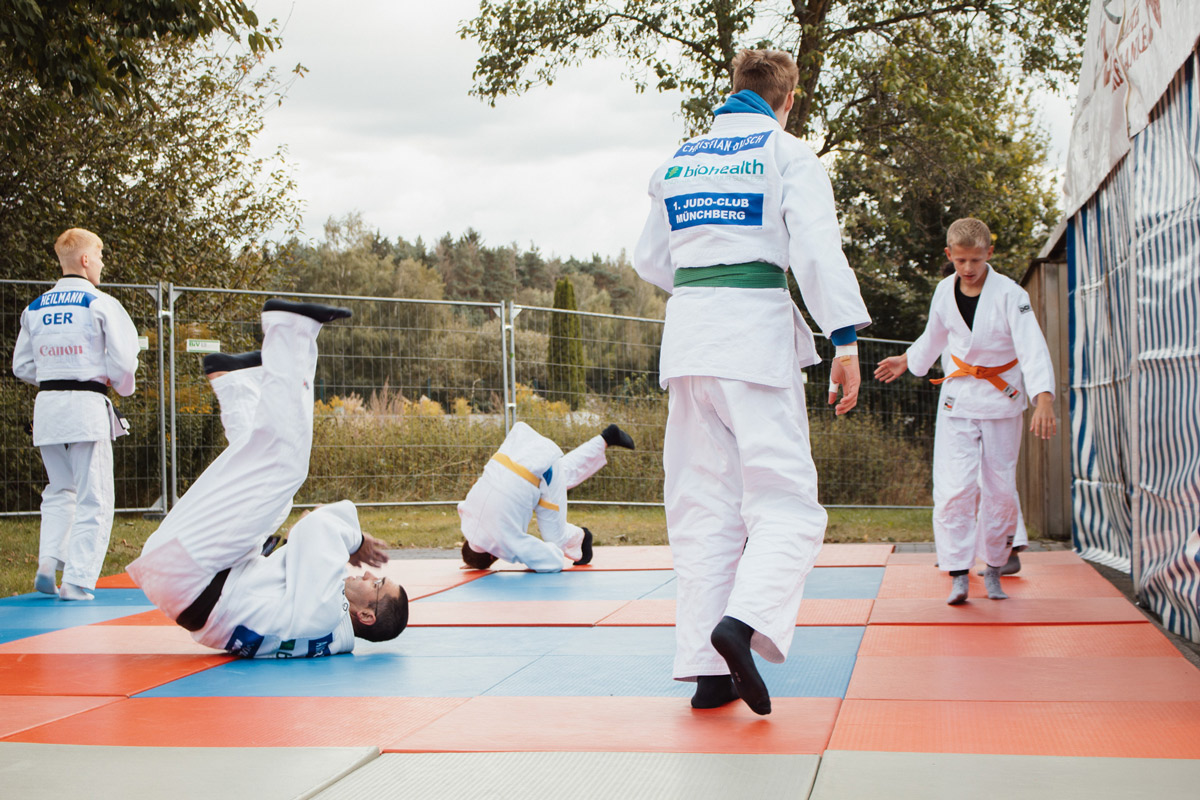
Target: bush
{"points": [[862, 461]]}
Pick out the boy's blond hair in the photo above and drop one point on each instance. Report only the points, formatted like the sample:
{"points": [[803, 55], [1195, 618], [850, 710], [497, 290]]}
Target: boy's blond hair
{"points": [[73, 240], [968, 232], [771, 74]]}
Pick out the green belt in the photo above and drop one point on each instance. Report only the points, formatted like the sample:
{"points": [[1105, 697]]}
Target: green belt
{"points": [[754, 275]]}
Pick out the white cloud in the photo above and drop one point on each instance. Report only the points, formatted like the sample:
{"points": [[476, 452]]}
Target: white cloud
{"points": [[383, 125]]}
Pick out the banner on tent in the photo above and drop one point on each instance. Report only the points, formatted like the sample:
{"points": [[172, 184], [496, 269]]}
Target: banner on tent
{"points": [[1133, 50]]}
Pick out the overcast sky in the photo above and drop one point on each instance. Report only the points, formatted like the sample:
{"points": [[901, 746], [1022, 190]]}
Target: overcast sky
{"points": [[382, 125]]}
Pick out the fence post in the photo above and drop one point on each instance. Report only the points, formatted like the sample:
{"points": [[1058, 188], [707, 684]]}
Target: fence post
{"points": [[510, 362], [162, 404], [502, 312], [173, 293]]}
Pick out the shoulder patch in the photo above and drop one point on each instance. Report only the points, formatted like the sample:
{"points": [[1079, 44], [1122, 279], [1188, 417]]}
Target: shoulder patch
{"points": [[1024, 308]]}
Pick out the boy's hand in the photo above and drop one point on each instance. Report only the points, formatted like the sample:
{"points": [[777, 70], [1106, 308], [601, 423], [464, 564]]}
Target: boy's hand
{"points": [[892, 368], [1043, 424], [370, 553], [844, 374]]}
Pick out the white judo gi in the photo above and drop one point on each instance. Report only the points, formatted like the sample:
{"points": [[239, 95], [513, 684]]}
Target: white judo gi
{"points": [[528, 473], [979, 426], [291, 603], [741, 488], [76, 332]]}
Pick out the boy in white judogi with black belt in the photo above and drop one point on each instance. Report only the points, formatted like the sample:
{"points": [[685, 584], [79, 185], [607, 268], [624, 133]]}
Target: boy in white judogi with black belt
{"points": [[730, 212], [528, 474], [1001, 361], [204, 566], [75, 343]]}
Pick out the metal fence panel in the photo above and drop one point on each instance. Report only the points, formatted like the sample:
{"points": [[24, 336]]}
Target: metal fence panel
{"points": [[878, 455], [409, 394], [138, 465], [413, 397], [616, 359]]}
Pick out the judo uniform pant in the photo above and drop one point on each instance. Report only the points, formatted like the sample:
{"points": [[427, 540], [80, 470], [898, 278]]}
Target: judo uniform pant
{"points": [[77, 508], [237, 502], [742, 515], [568, 472], [975, 503]]}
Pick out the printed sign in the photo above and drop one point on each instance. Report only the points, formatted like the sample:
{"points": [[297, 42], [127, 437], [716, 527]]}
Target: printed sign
{"points": [[203, 346], [750, 167], [723, 145], [1132, 52], [71, 298], [714, 208], [244, 642]]}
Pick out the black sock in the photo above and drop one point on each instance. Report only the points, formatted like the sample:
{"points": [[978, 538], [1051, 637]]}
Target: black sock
{"points": [[586, 548], [315, 311], [615, 437], [731, 638], [230, 362], [714, 691]]}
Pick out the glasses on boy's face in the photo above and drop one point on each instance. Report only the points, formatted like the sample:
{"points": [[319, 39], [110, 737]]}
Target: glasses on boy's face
{"points": [[378, 588]]}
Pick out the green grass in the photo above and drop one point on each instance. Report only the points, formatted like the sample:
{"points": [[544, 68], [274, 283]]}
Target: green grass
{"points": [[437, 526]]}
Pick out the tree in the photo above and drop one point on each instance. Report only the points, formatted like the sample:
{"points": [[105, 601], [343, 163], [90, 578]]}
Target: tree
{"points": [[354, 261], [690, 46], [920, 163], [564, 357], [921, 109], [98, 51], [172, 187]]}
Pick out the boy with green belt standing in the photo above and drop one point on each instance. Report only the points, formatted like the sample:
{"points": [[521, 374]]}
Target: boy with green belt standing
{"points": [[730, 212]]}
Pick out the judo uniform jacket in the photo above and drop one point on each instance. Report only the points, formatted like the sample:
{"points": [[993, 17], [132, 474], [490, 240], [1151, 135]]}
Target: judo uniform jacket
{"points": [[739, 472], [76, 332], [979, 426]]}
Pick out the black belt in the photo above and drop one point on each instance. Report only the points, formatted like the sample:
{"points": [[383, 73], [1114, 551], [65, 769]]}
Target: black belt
{"points": [[73, 386], [195, 616]]}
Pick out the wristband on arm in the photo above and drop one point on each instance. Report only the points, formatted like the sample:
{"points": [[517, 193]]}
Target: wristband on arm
{"points": [[846, 341]]}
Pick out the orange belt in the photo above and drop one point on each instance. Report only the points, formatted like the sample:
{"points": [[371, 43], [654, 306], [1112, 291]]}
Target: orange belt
{"points": [[989, 374], [504, 460]]}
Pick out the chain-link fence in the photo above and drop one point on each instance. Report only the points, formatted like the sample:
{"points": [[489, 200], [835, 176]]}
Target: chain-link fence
{"points": [[413, 397]]}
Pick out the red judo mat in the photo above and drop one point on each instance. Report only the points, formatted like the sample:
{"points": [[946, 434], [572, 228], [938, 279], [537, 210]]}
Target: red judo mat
{"points": [[1113, 728], [96, 674], [1063, 668], [621, 724]]}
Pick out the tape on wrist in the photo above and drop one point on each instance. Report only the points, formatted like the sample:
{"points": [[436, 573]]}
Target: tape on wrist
{"points": [[846, 350]]}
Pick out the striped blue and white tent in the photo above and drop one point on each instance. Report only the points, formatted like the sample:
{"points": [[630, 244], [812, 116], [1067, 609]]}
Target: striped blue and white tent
{"points": [[1132, 243]]}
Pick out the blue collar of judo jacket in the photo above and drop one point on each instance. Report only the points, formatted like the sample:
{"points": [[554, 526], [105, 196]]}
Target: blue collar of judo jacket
{"points": [[745, 102]]}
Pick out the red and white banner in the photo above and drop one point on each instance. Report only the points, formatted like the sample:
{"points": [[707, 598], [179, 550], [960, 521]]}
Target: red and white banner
{"points": [[1134, 49]]}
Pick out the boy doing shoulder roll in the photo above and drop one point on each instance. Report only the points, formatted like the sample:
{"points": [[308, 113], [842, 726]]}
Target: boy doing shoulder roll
{"points": [[999, 361]]}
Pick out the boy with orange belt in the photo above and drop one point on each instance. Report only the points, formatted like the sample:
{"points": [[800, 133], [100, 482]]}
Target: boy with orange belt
{"points": [[986, 322]]}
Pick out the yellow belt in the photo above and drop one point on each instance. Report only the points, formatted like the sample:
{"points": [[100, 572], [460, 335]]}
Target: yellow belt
{"points": [[505, 461], [989, 374]]}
